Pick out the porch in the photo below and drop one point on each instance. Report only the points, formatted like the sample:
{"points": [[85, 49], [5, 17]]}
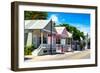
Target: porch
{"points": [[43, 40], [47, 49]]}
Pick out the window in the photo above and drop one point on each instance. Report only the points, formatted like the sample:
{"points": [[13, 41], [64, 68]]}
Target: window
{"points": [[57, 41], [44, 40], [68, 41]]}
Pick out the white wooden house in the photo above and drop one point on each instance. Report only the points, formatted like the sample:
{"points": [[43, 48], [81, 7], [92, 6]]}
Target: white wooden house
{"points": [[42, 34]]}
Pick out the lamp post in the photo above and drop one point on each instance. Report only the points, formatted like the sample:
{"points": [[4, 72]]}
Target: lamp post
{"points": [[53, 19], [51, 38]]}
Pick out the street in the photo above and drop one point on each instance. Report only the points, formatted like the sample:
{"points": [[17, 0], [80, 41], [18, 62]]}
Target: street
{"points": [[68, 55]]}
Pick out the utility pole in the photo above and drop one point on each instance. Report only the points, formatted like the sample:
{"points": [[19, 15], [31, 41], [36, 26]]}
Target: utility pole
{"points": [[51, 39]]}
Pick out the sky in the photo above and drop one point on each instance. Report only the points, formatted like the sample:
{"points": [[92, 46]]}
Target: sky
{"points": [[80, 21]]}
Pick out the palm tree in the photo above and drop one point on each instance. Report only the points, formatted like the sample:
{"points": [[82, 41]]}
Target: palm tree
{"points": [[29, 15]]}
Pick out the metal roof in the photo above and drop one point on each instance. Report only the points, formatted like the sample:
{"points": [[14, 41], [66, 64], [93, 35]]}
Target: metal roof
{"points": [[35, 24], [60, 31]]}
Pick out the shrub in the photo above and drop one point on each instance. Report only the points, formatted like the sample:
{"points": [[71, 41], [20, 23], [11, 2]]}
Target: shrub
{"points": [[82, 45], [28, 49]]}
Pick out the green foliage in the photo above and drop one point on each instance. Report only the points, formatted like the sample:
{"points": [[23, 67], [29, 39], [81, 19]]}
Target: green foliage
{"points": [[28, 49], [76, 33], [82, 45], [29, 15]]}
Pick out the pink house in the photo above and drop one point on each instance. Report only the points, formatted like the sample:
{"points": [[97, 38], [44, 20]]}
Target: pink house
{"points": [[63, 39]]}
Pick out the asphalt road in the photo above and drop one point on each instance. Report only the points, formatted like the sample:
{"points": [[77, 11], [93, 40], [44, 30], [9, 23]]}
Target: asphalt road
{"points": [[66, 56]]}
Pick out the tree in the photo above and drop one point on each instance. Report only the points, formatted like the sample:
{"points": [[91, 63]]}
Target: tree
{"points": [[29, 15]]}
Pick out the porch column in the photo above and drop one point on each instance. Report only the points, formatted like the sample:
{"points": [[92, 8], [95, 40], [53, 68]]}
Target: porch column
{"points": [[69, 44], [70, 41], [41, 37], [67, 41], [29, 39]]}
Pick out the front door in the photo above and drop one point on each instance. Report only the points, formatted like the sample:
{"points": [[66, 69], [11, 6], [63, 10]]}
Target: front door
{"points": [[63, 42]]}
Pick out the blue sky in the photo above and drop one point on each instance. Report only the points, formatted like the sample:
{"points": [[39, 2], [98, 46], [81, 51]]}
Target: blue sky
{"points": [[80, 21]]}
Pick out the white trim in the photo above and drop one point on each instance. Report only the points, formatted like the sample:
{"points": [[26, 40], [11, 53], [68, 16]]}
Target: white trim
{"points": [[48, 31]]}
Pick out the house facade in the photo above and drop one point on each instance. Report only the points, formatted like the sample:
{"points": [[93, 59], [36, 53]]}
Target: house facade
{"points": [[47, 38], [63, 40]]}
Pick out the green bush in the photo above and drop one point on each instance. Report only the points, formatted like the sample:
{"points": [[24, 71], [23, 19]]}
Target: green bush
{"points": [[28, 49], [82, 45]]}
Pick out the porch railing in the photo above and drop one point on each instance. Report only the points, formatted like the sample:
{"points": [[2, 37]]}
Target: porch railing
{"points": [[48, 46]]}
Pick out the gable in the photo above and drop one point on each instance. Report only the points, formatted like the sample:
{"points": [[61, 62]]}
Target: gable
{"points": [[59, 30], [65, 32], [50, 27]]}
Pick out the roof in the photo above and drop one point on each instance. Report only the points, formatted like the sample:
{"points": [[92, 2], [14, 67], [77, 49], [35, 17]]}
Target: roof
{"points": [[36, 24], [69, 34], [59, 29], [64, 33]]}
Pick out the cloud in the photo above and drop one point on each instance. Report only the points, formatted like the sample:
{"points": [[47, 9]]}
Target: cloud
{"points": [[84, 29], [54, 18]]}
